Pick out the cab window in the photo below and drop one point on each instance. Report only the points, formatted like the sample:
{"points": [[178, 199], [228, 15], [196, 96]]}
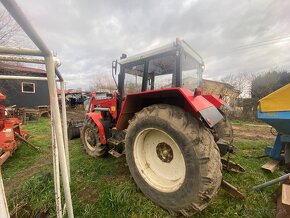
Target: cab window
{"points": [[161, 72], [133, 78]]}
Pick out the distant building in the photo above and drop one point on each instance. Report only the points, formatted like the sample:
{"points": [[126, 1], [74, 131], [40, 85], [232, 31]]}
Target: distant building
{"points": [[23, 93], [224, 90]]}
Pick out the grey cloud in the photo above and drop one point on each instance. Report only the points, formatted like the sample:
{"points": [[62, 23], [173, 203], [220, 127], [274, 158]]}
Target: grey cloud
{"points": [[88, 35]]}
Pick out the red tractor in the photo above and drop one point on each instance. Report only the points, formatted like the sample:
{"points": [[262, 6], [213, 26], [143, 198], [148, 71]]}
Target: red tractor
{"points": [[173, 135], [9, 127]]}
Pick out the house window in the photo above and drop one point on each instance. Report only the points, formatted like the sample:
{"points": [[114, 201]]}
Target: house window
{"points": [[28, 87]]}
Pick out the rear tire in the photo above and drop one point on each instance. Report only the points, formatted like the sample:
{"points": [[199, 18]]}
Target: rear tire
{"points": [[224, 130], [173, 159], [91, 140]]}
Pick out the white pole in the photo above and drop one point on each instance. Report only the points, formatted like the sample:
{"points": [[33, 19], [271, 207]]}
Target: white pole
{"points": [[50, 69], [64, 125], [3, 203], [22, 77], [56, 173], [20, 51]]}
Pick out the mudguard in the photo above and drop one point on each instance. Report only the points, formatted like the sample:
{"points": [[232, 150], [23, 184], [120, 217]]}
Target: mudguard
{"points": [[96, 117], [200, 106]]}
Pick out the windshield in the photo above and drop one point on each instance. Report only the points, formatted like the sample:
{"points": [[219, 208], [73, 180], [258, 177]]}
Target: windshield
{"points": [[191, 72], [161, 72]]}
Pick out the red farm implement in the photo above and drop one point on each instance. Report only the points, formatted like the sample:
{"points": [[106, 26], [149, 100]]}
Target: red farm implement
{"points": [[10, 131]]}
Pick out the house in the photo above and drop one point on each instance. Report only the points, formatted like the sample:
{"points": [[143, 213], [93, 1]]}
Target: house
{"points": [[23, 93], [224, 90]]}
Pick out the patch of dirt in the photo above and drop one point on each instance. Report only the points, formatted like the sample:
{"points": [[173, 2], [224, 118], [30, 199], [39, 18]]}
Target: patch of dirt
{"points": [[253, 132], [75, 114], [16, 180], [88, 195]]}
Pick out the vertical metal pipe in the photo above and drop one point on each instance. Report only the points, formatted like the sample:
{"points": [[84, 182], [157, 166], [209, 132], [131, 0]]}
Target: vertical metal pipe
{"points": [[3, 203], [56, 174], [64, 125], [50, 69]]}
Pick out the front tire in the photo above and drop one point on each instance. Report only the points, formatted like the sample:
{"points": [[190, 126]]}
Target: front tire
{"points": [[173, 159], [91, 140]]}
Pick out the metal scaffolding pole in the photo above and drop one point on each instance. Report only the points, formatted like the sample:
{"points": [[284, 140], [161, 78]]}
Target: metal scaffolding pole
{"points": [[64, 125], [20, 18], [50, 69], [20, 51], [22, 59], [22, 77], [56, 174], [3, 203]]}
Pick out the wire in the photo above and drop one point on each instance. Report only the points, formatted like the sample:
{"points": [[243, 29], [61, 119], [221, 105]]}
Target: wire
{"points": [[262, 43], [254, 45]]}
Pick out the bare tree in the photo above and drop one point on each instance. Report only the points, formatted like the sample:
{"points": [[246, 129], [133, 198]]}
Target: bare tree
{"points": [[8, 28], [103, 83], [241, 82]]}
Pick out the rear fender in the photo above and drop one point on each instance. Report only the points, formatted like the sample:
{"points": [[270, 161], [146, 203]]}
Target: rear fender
{"points": [[96, 117], [199, 106], [216, 101]]}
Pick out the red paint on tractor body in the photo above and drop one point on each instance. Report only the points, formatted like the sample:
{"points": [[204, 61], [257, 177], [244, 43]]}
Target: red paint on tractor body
{"points": [[110, 103], [96, 117], [181, 97], [201, 106], [215, 100]]}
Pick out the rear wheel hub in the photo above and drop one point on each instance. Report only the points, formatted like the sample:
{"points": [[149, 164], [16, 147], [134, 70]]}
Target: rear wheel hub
{"points": [[164, 152]]}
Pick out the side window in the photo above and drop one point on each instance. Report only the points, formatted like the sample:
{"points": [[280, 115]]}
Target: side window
{"points": [[28, 87], [133, 78], [191, 72], [161, 72]]}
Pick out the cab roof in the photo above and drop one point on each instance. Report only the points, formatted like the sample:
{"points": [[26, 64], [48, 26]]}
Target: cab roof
{"points": [[163, 49]]}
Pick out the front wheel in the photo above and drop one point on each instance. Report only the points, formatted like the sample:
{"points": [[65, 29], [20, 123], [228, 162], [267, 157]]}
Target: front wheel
{"points": [[173, 159], [91, 140]]}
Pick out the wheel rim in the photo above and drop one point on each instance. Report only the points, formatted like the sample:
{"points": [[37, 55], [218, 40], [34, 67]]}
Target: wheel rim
{"points": [[159, 160], [92, 140]]}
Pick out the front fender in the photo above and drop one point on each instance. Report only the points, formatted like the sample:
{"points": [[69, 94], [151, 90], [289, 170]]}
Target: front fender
{"points": [[96, 117]]}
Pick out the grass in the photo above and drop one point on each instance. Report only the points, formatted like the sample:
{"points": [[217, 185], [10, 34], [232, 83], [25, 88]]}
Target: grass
{"points": [[245, 122], [104, 188]]}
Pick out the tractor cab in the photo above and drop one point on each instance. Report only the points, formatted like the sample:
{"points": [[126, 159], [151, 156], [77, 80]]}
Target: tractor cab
{"points": [[173, 65]]}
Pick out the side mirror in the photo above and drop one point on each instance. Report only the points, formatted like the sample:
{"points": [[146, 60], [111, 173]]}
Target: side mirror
{"points": [[114, 67], [114, 71]]}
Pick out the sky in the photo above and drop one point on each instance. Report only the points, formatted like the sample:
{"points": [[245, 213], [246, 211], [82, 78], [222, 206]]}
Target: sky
{"points": [[232, 36]]}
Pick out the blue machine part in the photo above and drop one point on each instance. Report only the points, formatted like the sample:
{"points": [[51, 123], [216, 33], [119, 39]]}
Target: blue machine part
{"points": [[275, 151], [281, 122]]}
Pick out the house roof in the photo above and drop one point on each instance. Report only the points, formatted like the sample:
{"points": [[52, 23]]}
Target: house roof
{"points": [[223, 83], [21, 68]]}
